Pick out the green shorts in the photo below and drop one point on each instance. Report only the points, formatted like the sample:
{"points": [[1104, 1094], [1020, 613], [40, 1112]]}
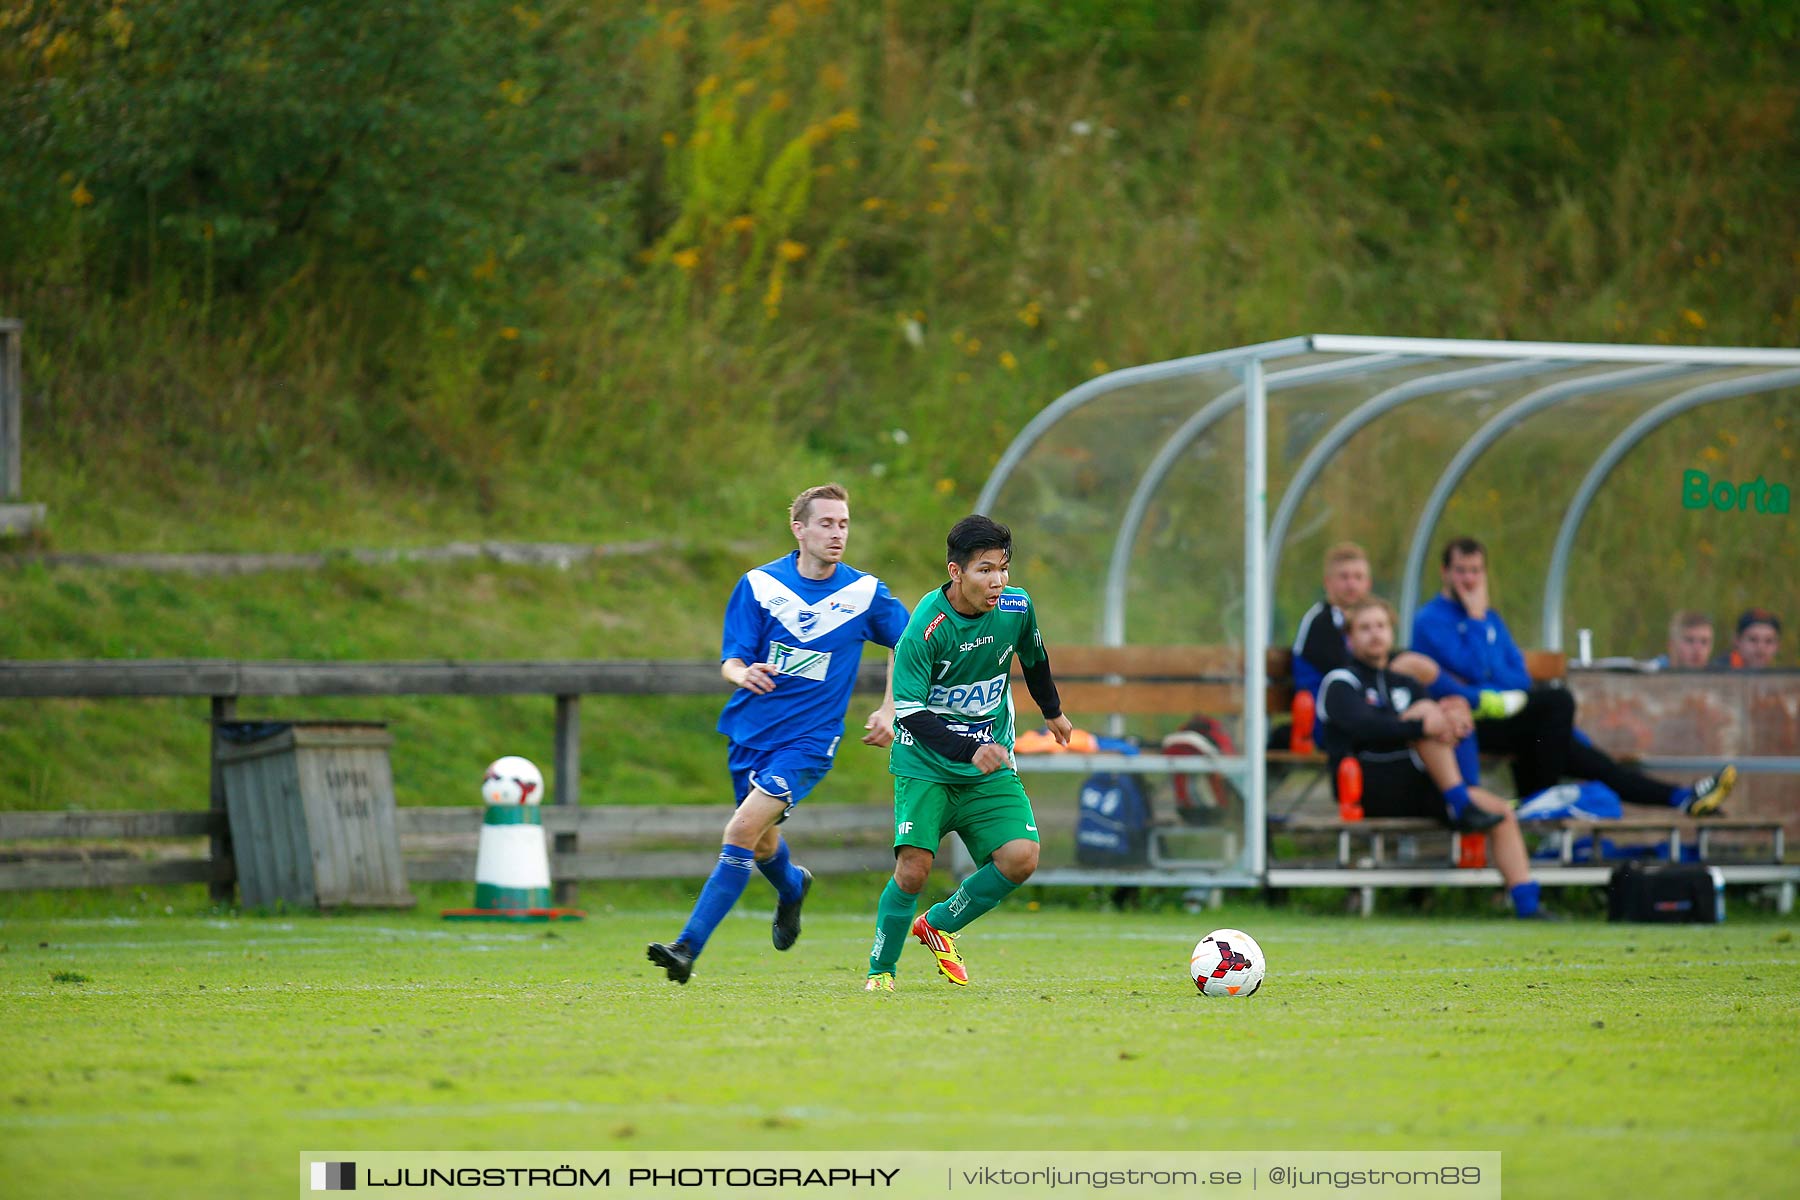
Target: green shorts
{"points": [[986, 813]]}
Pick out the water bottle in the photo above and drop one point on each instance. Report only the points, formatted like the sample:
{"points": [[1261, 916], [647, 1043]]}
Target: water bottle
{"points": [[1718, 878], [1304, 711], [1349, 789], [1584, 641]]}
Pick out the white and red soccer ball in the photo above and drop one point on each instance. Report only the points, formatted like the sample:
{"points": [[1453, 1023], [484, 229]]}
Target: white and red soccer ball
{"points": [[1227, 962], [512, 781]]}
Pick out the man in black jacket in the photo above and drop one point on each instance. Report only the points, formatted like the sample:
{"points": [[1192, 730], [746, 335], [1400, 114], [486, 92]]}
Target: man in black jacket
{"points": [[1405, 744]]}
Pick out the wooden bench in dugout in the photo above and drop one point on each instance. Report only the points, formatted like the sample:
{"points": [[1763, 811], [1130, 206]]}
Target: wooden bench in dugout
{"points": [[1177, 682]]}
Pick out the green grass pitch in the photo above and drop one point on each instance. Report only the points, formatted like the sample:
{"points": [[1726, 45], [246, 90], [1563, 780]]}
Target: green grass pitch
{"points": [[195, 1055]]}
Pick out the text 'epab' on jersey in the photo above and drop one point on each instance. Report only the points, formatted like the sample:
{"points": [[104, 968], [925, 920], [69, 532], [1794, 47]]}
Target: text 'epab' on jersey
{"points": [[961, 669], [812, 631]]}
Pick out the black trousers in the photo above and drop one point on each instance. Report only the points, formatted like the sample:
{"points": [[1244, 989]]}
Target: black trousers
{"points": [[1541, 739]]}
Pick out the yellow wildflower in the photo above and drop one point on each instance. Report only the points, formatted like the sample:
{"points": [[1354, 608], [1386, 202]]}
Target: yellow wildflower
{"points": [[1693, 318], [944, 487], [1008, 361], [687, 259], [791, 251], [874, 204], [832, 78], [742, 223], [81, 197], [509, 332]]}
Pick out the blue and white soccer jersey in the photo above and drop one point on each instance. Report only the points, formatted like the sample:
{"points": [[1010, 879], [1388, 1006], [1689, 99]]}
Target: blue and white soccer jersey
{"points": [[812, 631]]}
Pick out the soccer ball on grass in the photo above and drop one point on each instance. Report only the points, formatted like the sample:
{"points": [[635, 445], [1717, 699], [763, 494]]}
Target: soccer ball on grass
{"points": [[1227, 962], [513, 780]]}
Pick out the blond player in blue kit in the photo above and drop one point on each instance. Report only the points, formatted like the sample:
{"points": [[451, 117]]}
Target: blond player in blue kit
{"points": [[952, 755], [794, 634]]}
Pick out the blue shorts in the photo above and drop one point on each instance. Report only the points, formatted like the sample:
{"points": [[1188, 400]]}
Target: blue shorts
{"points": [[786, 773]]}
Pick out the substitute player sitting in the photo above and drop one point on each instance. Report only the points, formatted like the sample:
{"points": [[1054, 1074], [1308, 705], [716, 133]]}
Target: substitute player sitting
{"points": [[1405, 745], [794, 633], [952, 756]]}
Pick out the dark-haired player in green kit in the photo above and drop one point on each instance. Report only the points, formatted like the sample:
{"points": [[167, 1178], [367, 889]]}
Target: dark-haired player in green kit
{"points": [[952, 755]]}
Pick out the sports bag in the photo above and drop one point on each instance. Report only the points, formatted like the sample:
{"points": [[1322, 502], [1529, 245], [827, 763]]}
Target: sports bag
{"points": [[1113, 826], [1665, 892]]}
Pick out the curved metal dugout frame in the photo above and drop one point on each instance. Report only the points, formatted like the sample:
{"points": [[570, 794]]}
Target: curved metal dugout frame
{"points": [[1501, 424], [1112, 630], [1365, 414], [1112, 381], [1556, 580]]}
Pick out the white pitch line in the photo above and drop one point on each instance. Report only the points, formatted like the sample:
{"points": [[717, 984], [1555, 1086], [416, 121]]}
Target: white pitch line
{"points": [[1211, 1123]]}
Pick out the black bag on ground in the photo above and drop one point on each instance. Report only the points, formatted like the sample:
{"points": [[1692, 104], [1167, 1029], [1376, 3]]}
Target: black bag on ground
{"points": [[1113, 828], [1664, 892]]}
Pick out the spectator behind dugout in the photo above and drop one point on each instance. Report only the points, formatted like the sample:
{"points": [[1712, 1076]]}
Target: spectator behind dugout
{"points": [[1472, 644], [1404, 743], [1757, 641], [1690, 643]]}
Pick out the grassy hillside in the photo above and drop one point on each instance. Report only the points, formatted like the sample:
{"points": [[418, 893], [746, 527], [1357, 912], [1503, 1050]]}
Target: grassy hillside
{"points": [[603, 272]]}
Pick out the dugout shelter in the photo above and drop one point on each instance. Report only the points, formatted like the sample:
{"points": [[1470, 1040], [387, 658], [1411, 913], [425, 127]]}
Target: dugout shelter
{"points": [[1189, 502]]}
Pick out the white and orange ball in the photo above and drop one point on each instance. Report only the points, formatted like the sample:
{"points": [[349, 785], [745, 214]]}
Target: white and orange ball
{"points": [[513, 780], [1227, 962]]}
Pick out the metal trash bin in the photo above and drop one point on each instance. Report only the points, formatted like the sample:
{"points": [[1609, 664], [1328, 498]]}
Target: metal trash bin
{"points": [[311, 807]]}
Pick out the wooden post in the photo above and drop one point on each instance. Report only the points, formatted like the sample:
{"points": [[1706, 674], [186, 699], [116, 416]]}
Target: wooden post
{"points": [[12, 401], [224, 708], [568, 787]]}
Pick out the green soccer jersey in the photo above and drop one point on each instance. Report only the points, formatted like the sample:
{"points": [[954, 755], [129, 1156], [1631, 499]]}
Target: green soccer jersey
{"points": [[960, 668]]}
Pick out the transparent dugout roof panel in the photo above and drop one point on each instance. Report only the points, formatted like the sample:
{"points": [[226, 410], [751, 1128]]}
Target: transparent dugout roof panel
{"points": [[1127, 496]]}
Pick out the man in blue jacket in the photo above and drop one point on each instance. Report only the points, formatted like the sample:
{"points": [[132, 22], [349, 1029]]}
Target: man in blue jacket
{"points": [[1464, 636]]}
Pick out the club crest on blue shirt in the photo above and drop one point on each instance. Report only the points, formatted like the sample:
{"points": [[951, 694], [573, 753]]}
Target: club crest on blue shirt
{"points": [[806, 618]]}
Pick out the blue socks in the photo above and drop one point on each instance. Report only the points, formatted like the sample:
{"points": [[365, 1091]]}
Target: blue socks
{"points": [[1681, 797], [782, 873], [1468, 760], [723, 887], [1458, 799], [1524, 898]]}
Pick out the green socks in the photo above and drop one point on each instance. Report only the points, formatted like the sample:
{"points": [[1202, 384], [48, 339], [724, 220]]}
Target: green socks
{"points": [[893, 924], [977, 895]]}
